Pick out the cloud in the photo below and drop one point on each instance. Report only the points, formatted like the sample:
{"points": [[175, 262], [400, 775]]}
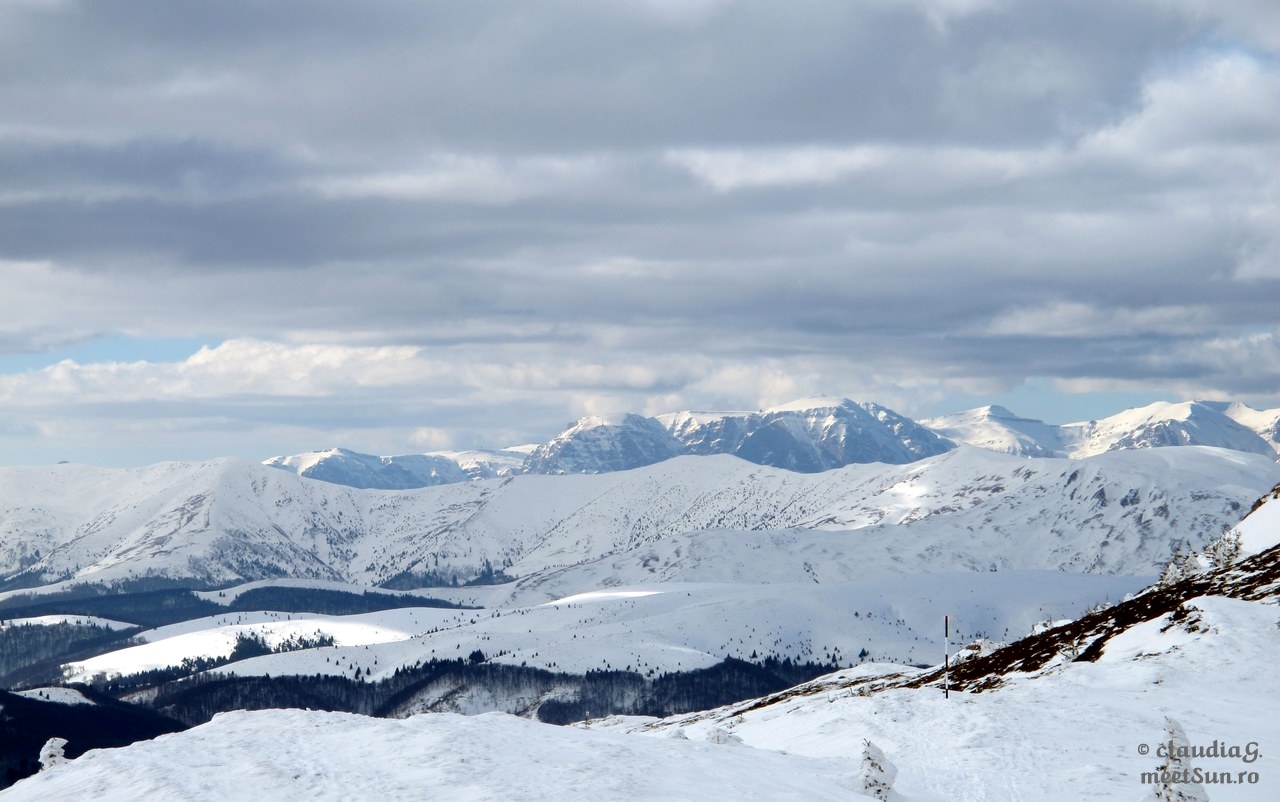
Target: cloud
{"points": [[410, 224]]}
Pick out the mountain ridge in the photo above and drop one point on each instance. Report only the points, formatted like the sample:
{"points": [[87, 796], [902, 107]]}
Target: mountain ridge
{"points": [[229, 520], [807, 435]]}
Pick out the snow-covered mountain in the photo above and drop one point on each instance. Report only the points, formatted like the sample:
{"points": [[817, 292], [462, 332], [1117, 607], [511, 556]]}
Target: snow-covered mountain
{"points": [[342, 467], [1266, 423], [1099, 691], [489, 463], [1085, 710], [603, 444], [1190, 423], [1159, 425], [997, 429], [808, 435], [227, 520]]}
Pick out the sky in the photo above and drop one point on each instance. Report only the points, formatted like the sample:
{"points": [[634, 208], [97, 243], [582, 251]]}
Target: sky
{"points": [[250, 229]]}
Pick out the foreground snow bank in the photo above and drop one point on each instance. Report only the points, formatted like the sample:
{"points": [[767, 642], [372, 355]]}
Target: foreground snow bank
{"points": [[294, 754]]}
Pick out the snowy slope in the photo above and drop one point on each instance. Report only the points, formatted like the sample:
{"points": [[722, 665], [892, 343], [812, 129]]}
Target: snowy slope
{"points": [[808, 435], [997, 429], [1073, 735], [1035, 725], [302, 755], [1190, 423], [229, 521], [1260, 530], [1077, 712], [1159, 425], [489, 463], [1266, 423], [602, 444], [649, 629], [343, 467]]}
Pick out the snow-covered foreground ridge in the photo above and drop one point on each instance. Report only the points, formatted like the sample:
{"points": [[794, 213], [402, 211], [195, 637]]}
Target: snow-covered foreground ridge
{"points": [[1077, 712], [297, 755], [227, 520]]}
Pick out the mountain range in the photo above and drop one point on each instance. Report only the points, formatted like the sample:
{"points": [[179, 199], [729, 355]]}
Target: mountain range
{"points": [[1157, 696], [231, 520], [807, 436]]}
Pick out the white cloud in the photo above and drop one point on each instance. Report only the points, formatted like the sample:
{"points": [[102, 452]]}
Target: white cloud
{"points": [[1221, 100], [473, 178], [1075, 319], [727, 170], [234, 368]]}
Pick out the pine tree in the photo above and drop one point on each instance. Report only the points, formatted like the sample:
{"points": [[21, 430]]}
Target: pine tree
{"points": [[51, 753], [878, 773], [1174, 774]]}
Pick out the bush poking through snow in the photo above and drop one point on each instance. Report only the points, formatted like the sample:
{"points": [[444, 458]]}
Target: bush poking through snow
{"points": [[878, 773]]}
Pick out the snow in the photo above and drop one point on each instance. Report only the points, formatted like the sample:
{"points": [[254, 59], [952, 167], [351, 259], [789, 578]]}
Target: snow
{"points": [[1189, 423], [77, 620], [811, 404], [1260, 530], [216, 637], [1163, 424], [215, 522], [293, 754], [605, 595], [1073, 732], [227, 596], [63, 696], [649, 629], [1070, 731], [996, 428], [677, 566]]}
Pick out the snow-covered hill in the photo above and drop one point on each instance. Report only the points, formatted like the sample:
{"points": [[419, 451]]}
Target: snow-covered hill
{"points": [[489, 463], [1190, 423], [227, 520], [343, 467], [1080, 711], [304, 755], [650, 629]]}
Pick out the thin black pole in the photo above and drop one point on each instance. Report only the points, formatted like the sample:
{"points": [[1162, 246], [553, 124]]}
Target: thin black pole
{"points": [[946, 657]]}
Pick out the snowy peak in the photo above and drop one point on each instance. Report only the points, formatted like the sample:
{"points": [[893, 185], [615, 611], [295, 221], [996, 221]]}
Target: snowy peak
{"points": [[968, 509], [1163, 424], [996, 428], [1266, 423], [604, 444], [343, 467], [809, 435], [1159, 425], [811, 405], [488, 463]]}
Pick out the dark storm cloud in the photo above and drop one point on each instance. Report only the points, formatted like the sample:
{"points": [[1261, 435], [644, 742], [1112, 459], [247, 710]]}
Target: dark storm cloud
{"points": [[563, 207]]}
